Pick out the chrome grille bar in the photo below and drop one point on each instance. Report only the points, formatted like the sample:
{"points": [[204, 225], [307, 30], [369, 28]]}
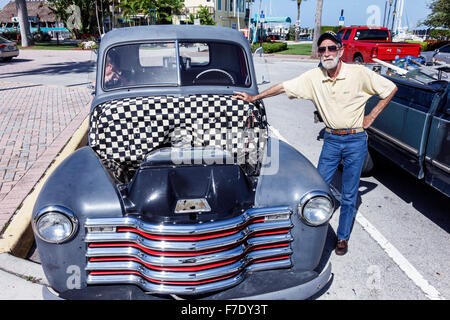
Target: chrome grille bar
{"points": [[150, 287], [207, 227], [187, 245], [166, 261], [185, 275], [187, 259]]}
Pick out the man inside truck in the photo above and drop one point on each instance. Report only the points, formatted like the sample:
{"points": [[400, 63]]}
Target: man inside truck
{"points": [[339, 91]]}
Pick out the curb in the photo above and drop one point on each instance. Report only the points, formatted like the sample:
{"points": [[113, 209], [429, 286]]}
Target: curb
{"points": [[18, 237]]}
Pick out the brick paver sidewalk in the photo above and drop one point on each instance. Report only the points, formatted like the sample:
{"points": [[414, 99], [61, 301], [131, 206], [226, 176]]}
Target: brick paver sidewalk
{"points": [[36, 122]]}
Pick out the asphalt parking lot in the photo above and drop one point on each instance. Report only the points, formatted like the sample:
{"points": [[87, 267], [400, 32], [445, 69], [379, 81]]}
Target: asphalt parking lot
{"points": [[400, 241]]}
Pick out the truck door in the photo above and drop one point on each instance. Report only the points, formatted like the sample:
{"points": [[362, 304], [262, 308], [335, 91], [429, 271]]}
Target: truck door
{"points": [[344, 38], [401, 131], [437, 159]]}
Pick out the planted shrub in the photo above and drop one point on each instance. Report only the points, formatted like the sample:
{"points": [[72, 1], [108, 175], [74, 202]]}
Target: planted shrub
{"points": [[270, 47]]}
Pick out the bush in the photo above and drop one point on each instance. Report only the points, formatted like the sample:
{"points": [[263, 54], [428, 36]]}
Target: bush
{"points": [[434, 44], [270, 47], [40, 36], [335, 29], [11, 35], [88, 45], [423, 45], [440, 34]]}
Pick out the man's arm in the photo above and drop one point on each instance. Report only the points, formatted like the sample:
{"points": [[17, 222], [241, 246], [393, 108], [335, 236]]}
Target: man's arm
{"points": [[272, 91], [370, 118]]}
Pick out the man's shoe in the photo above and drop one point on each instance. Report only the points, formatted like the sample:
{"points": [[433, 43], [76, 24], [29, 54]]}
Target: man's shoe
{"points": [[341, 247]]}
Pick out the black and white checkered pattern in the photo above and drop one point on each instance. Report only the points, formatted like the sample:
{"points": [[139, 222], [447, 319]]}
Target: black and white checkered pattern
{"points": [[123, 131]]}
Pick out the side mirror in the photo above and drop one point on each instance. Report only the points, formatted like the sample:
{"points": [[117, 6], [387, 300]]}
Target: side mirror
{"points": [[91, 86], [261, 69]]}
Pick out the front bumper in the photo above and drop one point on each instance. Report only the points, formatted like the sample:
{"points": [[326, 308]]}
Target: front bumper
{"points": [[313, 284]]}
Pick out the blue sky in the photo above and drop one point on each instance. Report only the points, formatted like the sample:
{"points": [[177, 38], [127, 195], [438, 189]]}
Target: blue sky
{"points": [[354, 11]]}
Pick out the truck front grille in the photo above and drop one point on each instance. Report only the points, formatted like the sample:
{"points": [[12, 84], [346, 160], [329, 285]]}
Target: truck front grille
{"points": [[187, 259]]}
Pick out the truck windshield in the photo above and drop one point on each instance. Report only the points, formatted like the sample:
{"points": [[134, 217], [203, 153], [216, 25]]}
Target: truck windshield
{"points": [[163, 64], [371, 34]]}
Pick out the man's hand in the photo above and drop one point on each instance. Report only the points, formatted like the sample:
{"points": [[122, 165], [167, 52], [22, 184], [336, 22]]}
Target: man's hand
{"points": [[243, 96], [370, 118], [272, 91], [111, 76]]}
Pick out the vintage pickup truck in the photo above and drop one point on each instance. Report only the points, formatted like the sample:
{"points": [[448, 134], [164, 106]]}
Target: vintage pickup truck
{"points": [[413, 131], [361, 44], [182, 191]]}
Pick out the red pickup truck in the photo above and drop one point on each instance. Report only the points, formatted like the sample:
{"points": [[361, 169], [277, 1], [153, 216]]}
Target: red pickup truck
{"points": [[361, 44]]}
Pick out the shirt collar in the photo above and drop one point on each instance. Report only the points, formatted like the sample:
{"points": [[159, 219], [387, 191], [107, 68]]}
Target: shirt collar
{"points": [[341, 75]]}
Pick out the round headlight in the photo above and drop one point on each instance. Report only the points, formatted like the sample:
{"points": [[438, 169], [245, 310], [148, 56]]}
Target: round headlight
{"points": [[55, 224], [316, 208]]}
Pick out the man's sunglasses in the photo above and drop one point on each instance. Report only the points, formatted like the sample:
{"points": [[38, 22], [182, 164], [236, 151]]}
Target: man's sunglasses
{"points": [[330, 49]]}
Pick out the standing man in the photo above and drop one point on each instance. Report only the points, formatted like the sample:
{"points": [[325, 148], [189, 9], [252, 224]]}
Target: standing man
{"points": [[339, 92]]}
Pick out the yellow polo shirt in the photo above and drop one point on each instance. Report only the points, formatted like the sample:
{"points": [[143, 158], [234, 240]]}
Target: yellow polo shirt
{"points": [[340, 102]]}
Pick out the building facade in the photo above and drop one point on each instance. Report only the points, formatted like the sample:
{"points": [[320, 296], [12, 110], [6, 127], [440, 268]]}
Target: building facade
{"points": [[40, 17], [226, 13]]}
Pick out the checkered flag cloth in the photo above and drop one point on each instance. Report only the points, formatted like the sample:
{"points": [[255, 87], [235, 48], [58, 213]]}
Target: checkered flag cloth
{"points": [[123, 131]]}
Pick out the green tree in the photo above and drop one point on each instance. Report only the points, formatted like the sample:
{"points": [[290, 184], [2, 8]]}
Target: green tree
{"points": [[439, 16], [204, 15], [88, 14], [165, 9]]}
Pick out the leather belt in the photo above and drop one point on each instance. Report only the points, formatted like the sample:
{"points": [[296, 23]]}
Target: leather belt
{"points": [[344, 131]]}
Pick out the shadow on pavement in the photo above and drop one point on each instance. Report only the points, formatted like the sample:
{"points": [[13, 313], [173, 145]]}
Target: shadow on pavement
{"points": [[82, 67], [21, 87], [14, 61]]}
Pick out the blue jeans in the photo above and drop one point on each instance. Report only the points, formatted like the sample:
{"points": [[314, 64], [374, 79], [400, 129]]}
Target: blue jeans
{"points": [[352, 150]]}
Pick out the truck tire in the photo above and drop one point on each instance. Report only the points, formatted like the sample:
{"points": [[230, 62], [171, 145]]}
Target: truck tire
{"points": [[367, 166], [358, 59]]}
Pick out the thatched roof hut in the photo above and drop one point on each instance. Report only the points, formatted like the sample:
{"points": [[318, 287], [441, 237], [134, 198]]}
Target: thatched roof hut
{"points": [[35, 9]]}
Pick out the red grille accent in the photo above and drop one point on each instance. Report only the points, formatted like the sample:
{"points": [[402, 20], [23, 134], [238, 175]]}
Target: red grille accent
{"points": [[196, 268], [178, 254], [180, 282], [216, 252], [190, 238], [159, 281], [158, 253]]}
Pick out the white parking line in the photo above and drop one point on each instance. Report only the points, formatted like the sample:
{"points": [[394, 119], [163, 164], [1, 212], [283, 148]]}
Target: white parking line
{"points": [[399, 259], [412, 273]]}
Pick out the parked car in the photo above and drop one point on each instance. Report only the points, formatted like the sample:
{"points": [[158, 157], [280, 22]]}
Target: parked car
{"points": [[8, 49], [441, 54], [182, 191], [361, 44], [413, 131]]}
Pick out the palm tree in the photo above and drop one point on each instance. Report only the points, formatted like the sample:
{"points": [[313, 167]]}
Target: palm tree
{"points": [[25, 34], [317, 25], [299, 2]]}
